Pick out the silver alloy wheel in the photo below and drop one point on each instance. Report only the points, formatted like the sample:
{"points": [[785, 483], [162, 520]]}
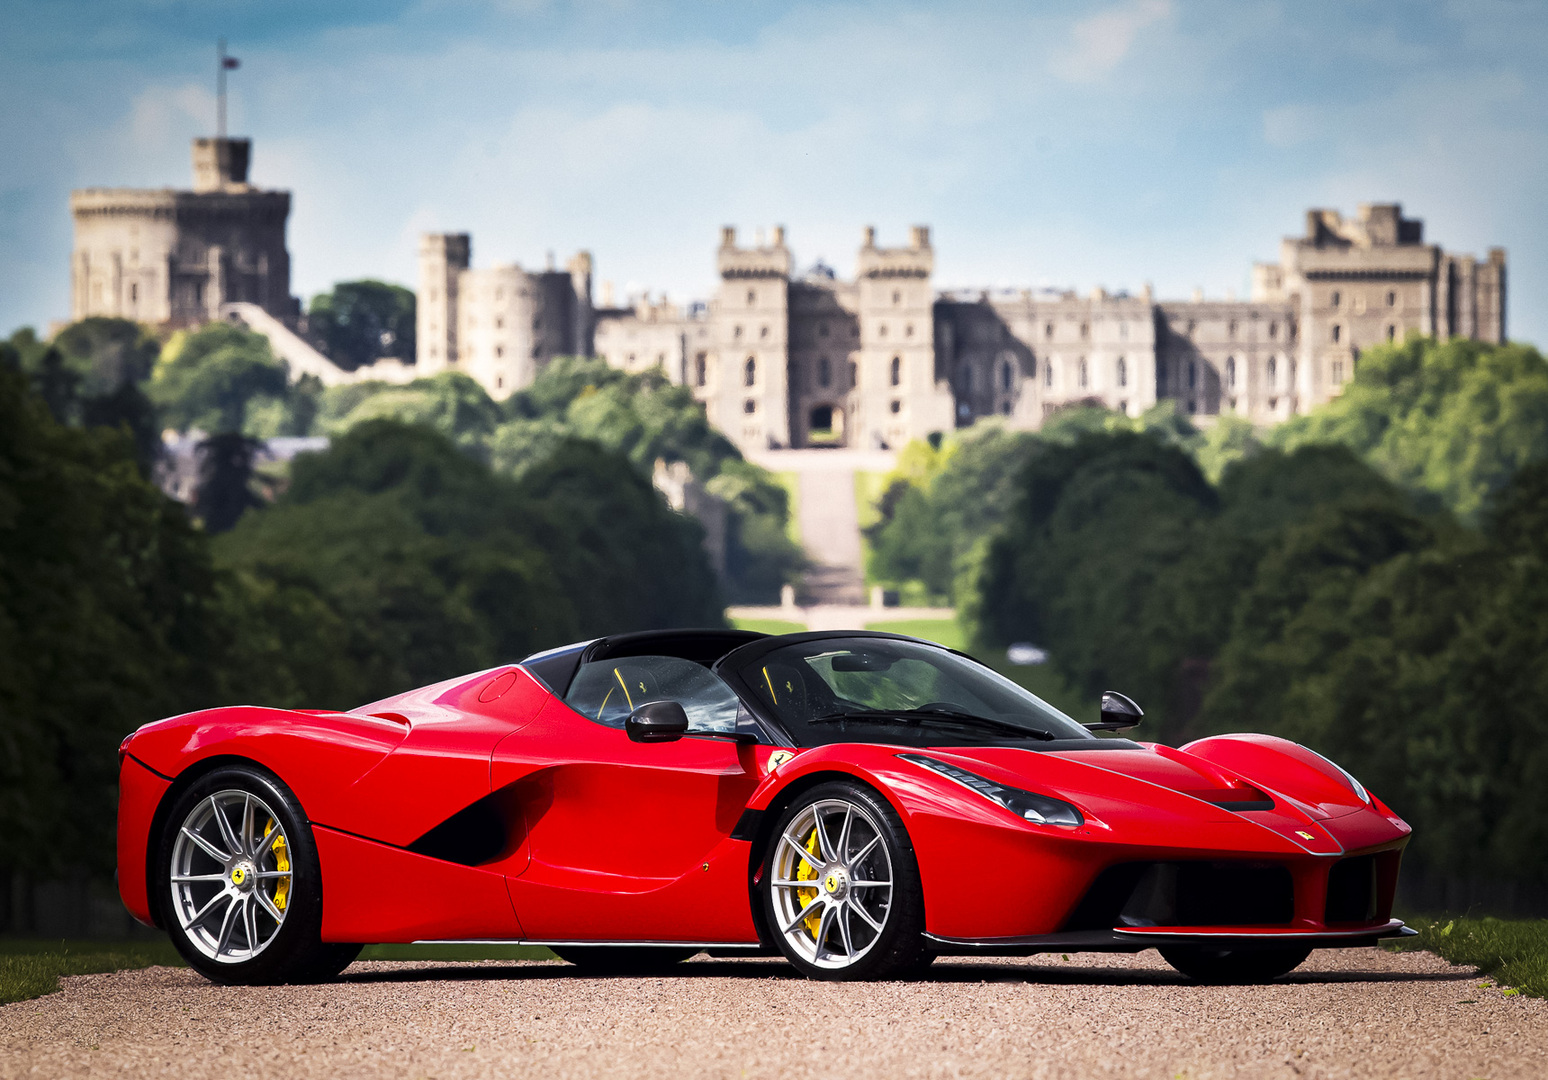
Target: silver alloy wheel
{"points": [[231, 876], [832, 883]]}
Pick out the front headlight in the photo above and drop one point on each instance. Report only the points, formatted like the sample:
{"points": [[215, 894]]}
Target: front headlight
{"points": [[1024, 804], [1354, 785]]}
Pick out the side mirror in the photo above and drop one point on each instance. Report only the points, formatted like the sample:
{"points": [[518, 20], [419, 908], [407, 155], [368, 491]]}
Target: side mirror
{"points": [[1119, 713], [657, 721]]}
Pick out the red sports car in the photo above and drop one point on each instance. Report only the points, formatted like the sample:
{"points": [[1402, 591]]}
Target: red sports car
{"points": [[859, 802]]}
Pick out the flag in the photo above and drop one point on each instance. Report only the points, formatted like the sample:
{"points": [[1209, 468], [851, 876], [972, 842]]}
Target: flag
{"points": [[230, 63]]}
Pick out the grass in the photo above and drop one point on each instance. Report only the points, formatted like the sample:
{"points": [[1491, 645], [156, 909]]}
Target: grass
{"points": [[941, 631], [869, 487], [1513, 952], [30, 968], [769, 626], [791, 482]]}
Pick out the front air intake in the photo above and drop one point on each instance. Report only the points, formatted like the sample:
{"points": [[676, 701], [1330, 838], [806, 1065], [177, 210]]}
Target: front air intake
{"points": [[1187, 894]]}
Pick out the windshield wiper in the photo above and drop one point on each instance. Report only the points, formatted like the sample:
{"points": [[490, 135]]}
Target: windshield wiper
{"points": [[943, 716]]}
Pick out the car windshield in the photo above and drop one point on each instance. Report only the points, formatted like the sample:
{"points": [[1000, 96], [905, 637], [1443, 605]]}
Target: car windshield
{"points": [[842, 689], [607, 691]]}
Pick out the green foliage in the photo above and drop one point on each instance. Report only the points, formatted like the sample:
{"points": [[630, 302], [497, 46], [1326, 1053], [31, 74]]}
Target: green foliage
{"points": [[1454, 419], [409, 561], [213, 378], [450, 403], [106, 597], [1512, 951], [360, 322]]}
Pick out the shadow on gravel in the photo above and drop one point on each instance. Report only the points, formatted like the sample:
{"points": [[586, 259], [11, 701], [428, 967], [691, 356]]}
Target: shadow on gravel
{"points": [[943, 972]]}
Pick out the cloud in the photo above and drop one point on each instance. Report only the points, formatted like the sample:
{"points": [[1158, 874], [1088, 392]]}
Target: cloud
{"points": [[1101, 41]]}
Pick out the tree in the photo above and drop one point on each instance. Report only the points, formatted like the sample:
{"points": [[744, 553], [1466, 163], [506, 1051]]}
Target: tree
{"points": [[224, 491], [213, 378], [1453, 419], [360, 322]]}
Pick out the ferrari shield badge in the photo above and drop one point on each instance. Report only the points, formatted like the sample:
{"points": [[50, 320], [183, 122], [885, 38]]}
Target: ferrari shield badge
{"points": [[778, 758]]}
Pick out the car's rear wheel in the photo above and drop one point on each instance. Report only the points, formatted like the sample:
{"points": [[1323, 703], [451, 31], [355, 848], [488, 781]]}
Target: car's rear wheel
{"points": [[840, 887], [241, 884], [1205, 964], [624, 959]]}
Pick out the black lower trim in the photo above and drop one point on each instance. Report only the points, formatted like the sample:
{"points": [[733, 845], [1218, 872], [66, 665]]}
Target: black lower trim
{"points": [[1131, 941]]}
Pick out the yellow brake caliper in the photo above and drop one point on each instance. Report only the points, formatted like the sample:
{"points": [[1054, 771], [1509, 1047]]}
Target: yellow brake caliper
{"points": [[807, 872], [282, 864]]}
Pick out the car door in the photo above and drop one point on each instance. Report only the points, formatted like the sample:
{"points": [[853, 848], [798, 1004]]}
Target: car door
{"points": [[630, 841]]}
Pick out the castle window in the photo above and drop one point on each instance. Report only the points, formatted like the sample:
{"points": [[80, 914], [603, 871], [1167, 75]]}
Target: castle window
{"points": [[1391, 333], [1338, 331], [824, 371], [763, 331], [1231, 328], [896, 406], [750, 372], [134, 298], [1048, 330], [499, 382], [1271, 368], [854, 374], [661, 359], [1007, 376], [1191, 326], [736, 331], [881, 330], [1392, 299], [499, 350], [749, 406], [629, 363], [908, 331], [1123, 330], [1083, 373], [1273, 329], [1048, 374], [499, 324], [1085, 330], [897, 371], [752, 297], [897, 297], [700, 369], [1193, 376], [1193, 406], [1338, 372], [1005, 407], [1231, 372], [1123, 372], [1335, 298]]}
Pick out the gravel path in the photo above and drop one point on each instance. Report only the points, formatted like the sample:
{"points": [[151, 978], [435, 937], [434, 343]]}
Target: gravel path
{"points": [[1347, 1013]]}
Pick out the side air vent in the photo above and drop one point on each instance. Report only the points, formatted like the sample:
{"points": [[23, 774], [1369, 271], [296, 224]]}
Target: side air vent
{"points": [[471, 836]]}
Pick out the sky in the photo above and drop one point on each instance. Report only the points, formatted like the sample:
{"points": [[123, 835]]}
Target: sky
{"points": [[1110, 144]]}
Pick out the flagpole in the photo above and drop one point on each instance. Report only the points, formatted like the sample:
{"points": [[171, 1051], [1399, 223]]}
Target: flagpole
{"points": [[220, 89]]}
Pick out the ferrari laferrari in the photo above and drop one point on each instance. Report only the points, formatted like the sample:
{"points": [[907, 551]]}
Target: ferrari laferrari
{"points": [[858, 802]]}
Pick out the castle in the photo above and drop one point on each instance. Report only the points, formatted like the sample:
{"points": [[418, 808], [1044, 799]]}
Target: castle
{"points": [[782, 358], [176, 257]]}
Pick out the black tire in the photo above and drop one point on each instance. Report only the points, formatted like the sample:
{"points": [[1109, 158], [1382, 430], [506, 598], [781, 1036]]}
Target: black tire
{"points": [[1204, 964], [892, 952], [624, 959], [293, 951]]}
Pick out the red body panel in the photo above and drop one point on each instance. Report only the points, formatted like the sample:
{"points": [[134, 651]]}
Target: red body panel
{"points": [[139, 793], [607, 839]]}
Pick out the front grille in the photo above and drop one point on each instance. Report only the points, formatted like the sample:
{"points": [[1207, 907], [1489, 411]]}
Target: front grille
{"points": [[1187, 894], [1352, 891]]}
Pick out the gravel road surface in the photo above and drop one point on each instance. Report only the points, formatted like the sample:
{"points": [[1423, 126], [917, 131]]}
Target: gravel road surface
{"points": [[1346, 1013]]}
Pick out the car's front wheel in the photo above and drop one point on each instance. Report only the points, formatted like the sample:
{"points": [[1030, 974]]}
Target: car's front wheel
{"points": [[1205, 964], [840, 886], [242, 887]]}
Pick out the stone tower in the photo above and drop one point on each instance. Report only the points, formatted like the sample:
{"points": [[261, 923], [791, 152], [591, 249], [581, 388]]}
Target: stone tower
{"points": [[174, 257], [442, 258], [897, 393], [750, 317]]}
